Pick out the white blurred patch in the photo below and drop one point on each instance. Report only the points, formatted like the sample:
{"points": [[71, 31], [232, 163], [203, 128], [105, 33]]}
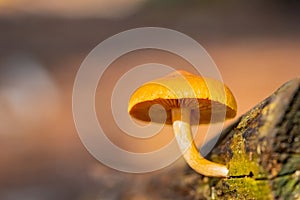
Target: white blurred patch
{"points": [[27, 92]]}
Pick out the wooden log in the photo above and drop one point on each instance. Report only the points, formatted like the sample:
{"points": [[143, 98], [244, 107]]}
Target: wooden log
{"points": [[261, 150]]}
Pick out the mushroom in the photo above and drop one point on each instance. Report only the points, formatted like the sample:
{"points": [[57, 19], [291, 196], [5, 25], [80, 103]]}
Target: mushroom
{"points": [[187, 100]]}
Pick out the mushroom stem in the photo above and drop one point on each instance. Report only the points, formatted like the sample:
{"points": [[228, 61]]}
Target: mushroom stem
{"points": [[182, 130]]}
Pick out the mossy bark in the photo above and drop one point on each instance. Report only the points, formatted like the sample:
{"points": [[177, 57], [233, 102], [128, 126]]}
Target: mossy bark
{"points": [[261, 150]]}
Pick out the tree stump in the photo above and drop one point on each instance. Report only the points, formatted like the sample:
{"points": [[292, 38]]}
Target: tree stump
{"points": [[261, 150]]}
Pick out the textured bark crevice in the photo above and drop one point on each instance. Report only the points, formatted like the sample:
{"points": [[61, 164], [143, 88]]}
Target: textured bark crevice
{"points": [[261, 150]]}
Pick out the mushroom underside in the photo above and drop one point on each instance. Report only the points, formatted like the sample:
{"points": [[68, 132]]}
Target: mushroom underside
{"points": [[203, 111]]}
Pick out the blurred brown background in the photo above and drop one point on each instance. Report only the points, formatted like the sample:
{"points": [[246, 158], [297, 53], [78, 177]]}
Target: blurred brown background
{"points": [[255, 44]]}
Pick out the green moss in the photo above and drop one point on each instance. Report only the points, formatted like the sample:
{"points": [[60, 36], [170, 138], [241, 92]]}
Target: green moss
{"points": [[243, 170], [246, 188], [288, 186], [241, 164]]}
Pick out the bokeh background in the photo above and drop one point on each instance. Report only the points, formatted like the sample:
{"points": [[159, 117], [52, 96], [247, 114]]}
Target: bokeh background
{"points": [[255, 44]]}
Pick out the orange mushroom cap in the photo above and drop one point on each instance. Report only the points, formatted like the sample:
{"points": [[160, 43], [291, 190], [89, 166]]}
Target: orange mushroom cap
{"points": [[181, 89]]}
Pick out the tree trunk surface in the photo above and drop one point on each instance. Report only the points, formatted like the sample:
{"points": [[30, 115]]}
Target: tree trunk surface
{"points": [[261, 150]]}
